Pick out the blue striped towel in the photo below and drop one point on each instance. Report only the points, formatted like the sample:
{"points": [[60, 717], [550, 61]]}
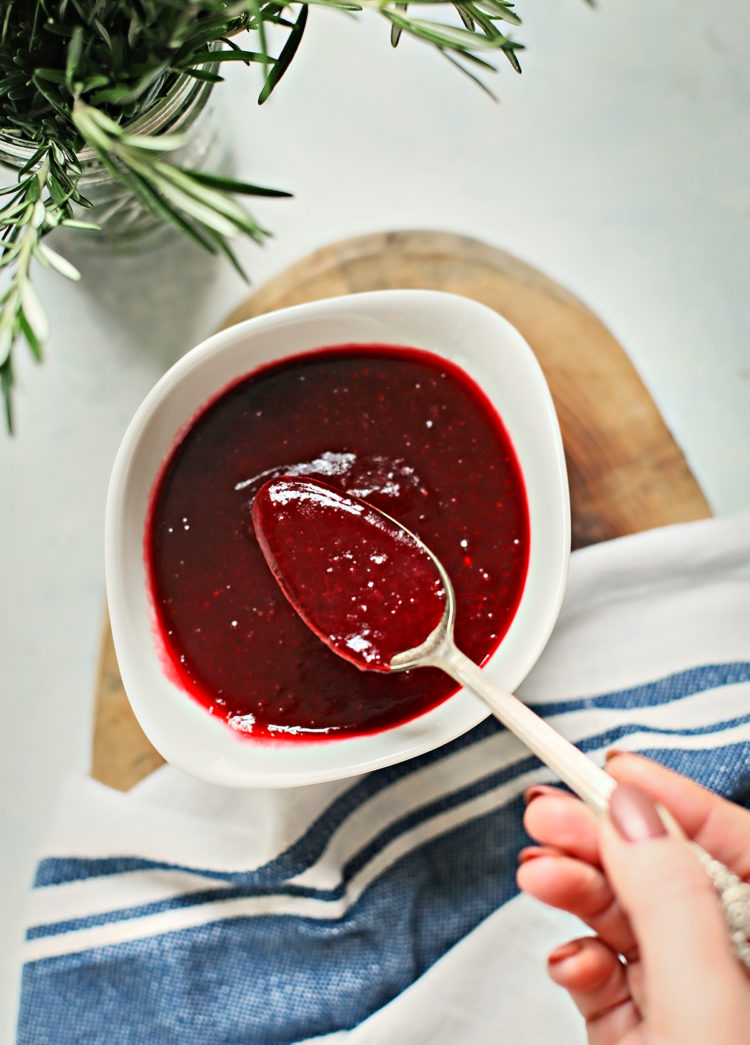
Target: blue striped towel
{"points": [[383, 909]]}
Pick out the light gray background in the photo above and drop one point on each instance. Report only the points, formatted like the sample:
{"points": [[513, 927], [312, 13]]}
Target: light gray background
{"points": [[617, 163]]}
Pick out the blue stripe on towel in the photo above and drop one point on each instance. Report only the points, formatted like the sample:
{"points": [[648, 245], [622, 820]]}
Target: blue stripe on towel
{"points": [[663, 691], [713, 772], [302, 853], [306, 850], [718, 770]]}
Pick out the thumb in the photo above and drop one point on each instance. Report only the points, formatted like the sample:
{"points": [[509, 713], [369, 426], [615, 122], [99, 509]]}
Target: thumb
{"points": [[688, 964]]}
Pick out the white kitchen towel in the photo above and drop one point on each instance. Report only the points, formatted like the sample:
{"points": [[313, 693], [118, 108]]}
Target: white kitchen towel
{"points": [[383, 909]]}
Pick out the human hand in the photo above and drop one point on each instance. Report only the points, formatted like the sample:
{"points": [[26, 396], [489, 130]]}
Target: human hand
{"points": [[660, 969]]}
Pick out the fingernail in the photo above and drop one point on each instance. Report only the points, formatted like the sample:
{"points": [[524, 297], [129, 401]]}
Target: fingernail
{"points": [[634, 814], [614, 752], [531, 852], [536, 790], [564, 951]]}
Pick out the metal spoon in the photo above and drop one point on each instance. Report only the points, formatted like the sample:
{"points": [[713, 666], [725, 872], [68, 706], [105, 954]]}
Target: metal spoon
{"points": [[311, 533]]}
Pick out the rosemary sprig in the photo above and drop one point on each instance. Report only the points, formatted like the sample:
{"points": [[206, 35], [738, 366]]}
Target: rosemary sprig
{"points": [[40, 201], [198, 203], [77, 73], [480, 33]]}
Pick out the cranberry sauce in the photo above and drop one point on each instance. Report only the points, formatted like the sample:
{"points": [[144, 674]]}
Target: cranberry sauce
{"points": [[404, 429], [364, 585]]}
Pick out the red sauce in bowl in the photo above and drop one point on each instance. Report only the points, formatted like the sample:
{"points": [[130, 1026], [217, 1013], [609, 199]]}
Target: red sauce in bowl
{"points": [[404, 429]]}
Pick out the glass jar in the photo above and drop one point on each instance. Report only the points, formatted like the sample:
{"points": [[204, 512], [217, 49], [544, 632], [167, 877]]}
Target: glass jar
{"points": [[125, 223]]}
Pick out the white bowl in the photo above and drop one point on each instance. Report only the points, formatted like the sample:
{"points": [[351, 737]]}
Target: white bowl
{"points": [[468, 334]]}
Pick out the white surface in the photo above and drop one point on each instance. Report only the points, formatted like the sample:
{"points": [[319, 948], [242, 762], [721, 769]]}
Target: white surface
{"points": [[618, 164]]}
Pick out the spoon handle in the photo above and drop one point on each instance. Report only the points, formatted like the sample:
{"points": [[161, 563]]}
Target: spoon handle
{"points": [[573, 767]]}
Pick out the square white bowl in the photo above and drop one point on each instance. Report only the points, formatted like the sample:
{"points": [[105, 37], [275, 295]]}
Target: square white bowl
{"points": [[470, 335]]}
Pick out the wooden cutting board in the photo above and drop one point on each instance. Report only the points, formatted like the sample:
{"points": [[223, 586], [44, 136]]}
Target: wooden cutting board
{"points": [[626, 471]]}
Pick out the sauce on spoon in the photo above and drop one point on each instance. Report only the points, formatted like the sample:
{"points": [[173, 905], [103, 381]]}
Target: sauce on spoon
{"points": [[357, 579]]}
